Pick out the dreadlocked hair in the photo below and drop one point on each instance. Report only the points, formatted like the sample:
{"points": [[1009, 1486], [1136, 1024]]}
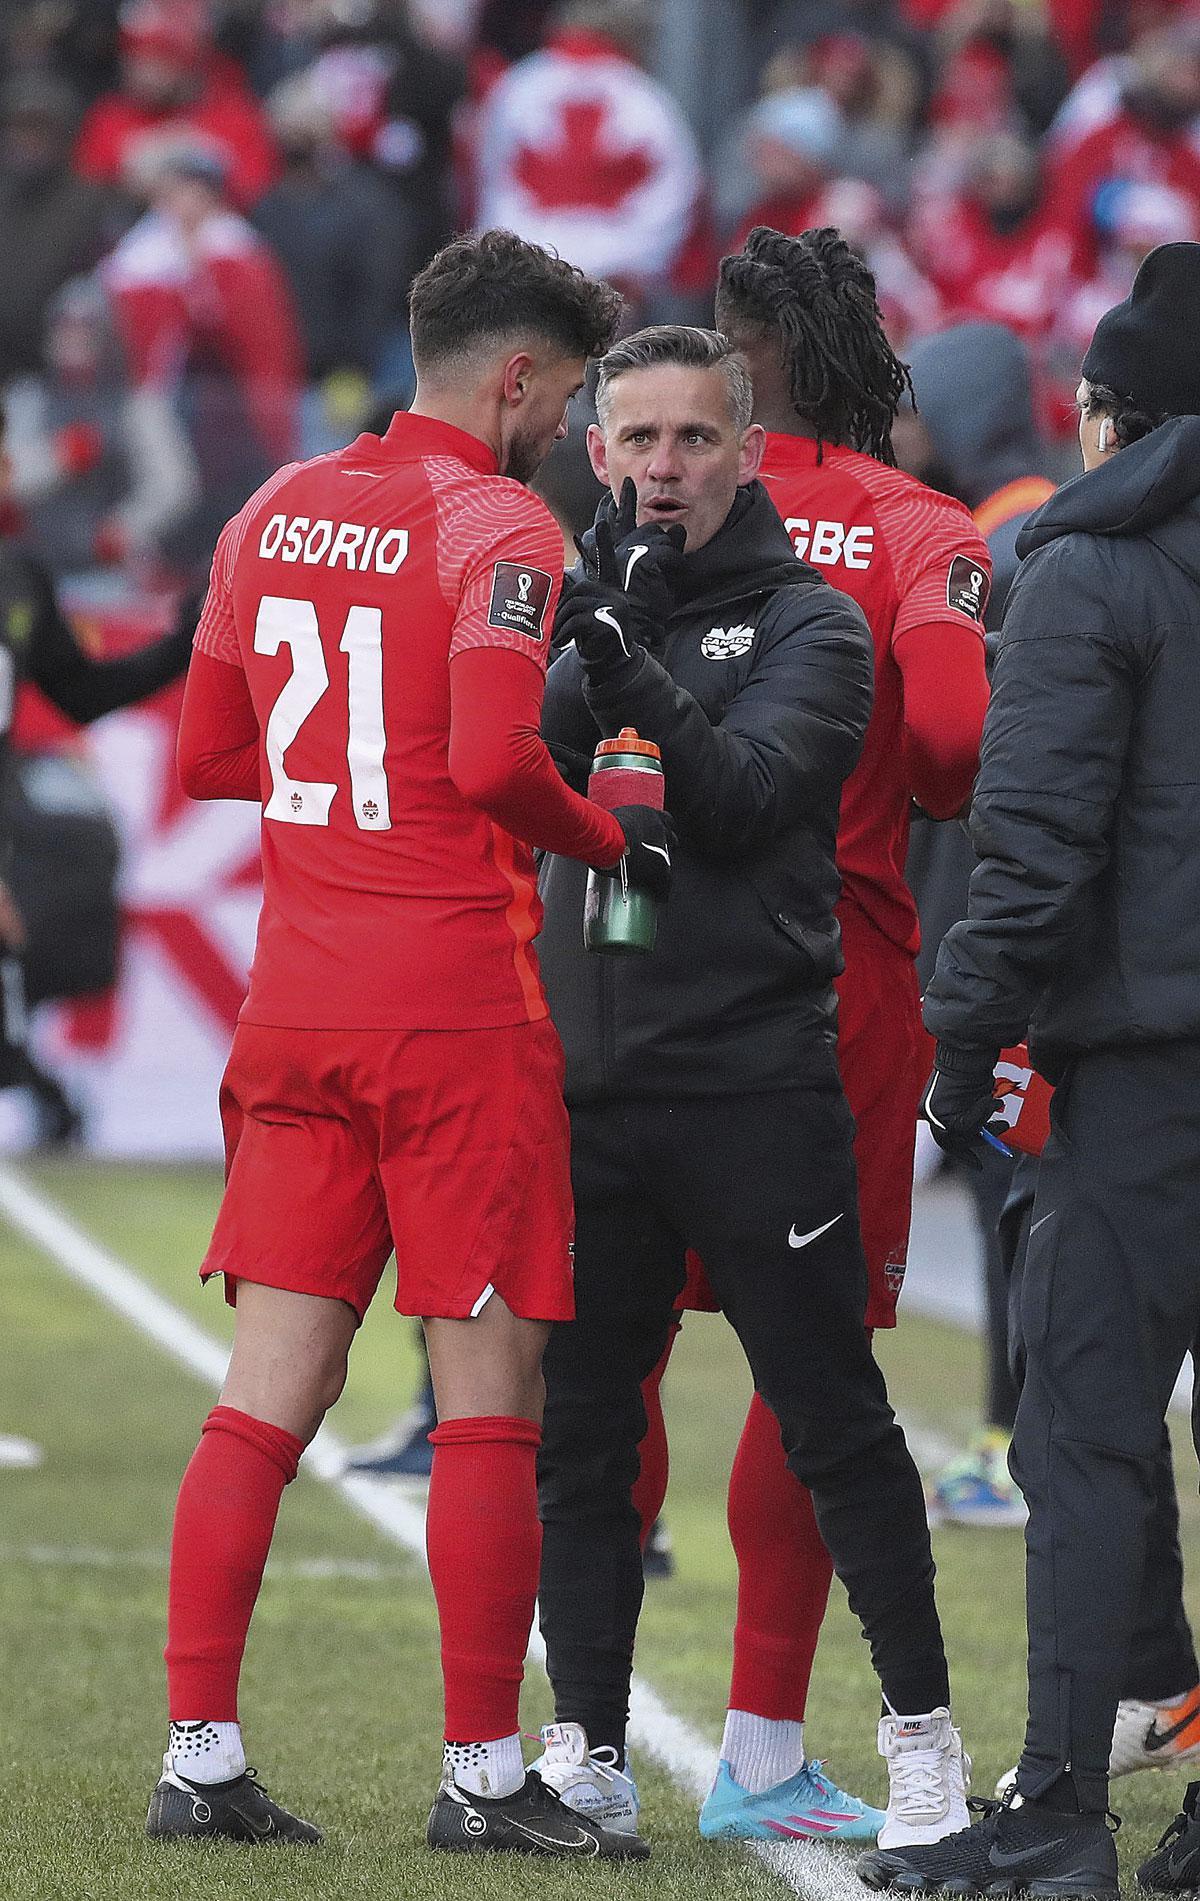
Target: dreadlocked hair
{"points": [[818, 296]]}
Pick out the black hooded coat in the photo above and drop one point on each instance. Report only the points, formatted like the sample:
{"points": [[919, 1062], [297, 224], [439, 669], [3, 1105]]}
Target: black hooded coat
{"points": [[1084, 920]]}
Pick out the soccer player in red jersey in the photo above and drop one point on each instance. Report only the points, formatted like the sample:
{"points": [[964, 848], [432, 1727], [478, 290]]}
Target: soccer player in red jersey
{"points": [[826, 389], [370, 663]]}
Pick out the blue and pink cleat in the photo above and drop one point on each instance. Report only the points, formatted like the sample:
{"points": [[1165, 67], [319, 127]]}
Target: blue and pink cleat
{"points": [[807, 1807]]}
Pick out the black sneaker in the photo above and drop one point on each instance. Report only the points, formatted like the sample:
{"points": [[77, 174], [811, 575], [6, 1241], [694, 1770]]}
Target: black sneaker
{"points": [[237, 1811], [532, 1821], [402, 1453], [658, 1557], [1026, 1850], [1174, 1867]]}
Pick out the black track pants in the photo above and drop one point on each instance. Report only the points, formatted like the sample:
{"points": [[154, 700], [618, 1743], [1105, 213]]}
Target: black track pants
{"points": [[763, 1187], [1110, 1304]]}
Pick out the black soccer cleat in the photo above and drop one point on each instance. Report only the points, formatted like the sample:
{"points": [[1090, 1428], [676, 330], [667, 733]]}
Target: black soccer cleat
{"points": [[532, 1821], [237, 1811], [1011, 1851], [1174, 1867]]}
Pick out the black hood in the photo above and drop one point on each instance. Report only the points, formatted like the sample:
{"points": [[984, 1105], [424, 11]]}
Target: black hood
{"points": [[1140, 490], [974, 395], [751, 552]]}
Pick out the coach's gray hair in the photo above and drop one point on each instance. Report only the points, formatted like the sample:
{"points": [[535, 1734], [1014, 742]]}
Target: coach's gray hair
{"points": [[687, 345]]}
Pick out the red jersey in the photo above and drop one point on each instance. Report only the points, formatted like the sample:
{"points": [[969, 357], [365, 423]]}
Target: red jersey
{"points": [[919, 569], [344, 589]]}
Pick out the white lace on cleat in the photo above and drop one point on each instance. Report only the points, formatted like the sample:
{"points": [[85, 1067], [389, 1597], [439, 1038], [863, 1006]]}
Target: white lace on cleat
{"points": [[929, 1774], [587, 1780]]}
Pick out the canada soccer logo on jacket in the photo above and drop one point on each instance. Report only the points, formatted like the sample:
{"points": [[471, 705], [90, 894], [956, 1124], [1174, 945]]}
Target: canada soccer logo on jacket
{"points": [[727, 643]]}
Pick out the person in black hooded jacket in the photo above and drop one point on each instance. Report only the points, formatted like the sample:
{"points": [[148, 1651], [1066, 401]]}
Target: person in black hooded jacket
{"points": [[1084, 930], [702, 1080]]}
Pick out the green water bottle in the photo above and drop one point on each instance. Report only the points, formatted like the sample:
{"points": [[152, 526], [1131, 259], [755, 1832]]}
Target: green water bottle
{"points": [[617, 918]]}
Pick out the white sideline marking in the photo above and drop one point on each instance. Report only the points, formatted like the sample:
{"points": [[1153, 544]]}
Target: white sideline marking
{"points": [[19, 1455], [808, 1869], [101, 1558]]}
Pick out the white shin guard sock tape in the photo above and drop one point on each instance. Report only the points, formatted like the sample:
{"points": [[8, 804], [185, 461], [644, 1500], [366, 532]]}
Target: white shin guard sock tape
{"points": [[489, 1769], [207, 1752]]}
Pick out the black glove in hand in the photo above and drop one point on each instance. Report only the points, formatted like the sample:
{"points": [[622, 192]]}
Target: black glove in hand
{"points": [[649, 841], [625, 596], [644, 561], [960, 1100]]}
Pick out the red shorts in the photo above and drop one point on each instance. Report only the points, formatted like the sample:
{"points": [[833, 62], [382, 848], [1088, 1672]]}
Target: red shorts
{"points": [[451, 1146], [884, 1061]]}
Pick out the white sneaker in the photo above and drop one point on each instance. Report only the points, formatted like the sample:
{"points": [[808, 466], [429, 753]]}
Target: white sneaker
{"points": [[587, 1780], [1147, 1736], [929, 1774]]}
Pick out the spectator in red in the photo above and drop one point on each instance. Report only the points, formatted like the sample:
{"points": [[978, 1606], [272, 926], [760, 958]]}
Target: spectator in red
{"points": [[582, 151], [791, 146], [172, 80], [204, 312], [1145, 134], [995, 248], [908, 303]]}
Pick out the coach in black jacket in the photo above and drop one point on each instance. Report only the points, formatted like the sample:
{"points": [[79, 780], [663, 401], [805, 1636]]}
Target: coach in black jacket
{"points": [[756, 692], [706, 1108], [1084, 927]]}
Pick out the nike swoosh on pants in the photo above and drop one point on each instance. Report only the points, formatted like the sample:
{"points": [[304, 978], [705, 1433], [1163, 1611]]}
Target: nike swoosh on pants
{"points": [[802, 1240]]}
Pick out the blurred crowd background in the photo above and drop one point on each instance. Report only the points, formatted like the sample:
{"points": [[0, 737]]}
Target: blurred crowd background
{"points": [[210, 215]]}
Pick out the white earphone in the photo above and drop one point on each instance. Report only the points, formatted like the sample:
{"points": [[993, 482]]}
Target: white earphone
{"points": [[1104, 435]]}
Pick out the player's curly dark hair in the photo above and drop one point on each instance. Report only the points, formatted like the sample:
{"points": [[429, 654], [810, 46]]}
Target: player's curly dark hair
{"points": [[494, 285], [818, 296], [1130, 422]]}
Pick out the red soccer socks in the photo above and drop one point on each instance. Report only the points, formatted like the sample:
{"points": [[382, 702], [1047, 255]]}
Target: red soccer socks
{"points": [[224, 1520], [784, 1574], [484, 1543]]}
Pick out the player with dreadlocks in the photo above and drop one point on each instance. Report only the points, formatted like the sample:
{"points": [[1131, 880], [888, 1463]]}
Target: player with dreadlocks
{"points": [[827, 386]]}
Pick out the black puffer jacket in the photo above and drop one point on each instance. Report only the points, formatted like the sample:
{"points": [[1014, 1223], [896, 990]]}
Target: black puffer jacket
{"points": [[758, 697], [1084, 919]]}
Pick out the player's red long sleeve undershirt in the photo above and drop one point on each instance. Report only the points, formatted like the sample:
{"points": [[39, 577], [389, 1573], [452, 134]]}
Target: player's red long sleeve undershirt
{"points": [[496, 757], [945, 699]]}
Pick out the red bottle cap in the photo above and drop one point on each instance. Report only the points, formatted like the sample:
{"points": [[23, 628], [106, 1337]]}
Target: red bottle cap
{"points": [[627, 740]]}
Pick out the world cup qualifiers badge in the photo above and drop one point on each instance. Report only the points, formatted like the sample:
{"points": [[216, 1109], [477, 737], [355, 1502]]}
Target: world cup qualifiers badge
{"points": [[967, 587], [519, 597]]}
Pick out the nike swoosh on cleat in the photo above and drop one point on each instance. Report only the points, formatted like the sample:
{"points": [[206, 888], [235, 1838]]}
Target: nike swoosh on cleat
{"points": [[260, 1830], [1157, 1738], [1000, 1859], [661, 850], [586, 1845], [802, 1240]]}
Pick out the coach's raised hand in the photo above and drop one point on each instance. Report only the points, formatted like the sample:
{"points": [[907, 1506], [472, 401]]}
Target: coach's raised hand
{"points": [[623, 599]]}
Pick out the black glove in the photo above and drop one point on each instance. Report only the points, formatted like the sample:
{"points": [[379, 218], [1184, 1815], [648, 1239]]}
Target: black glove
{"points": [[649, 841], [622, 602], [960, 1100], [645, 562]]}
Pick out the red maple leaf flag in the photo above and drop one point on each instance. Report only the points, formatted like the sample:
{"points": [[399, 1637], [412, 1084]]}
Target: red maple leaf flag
{"points": [[586, 165]]}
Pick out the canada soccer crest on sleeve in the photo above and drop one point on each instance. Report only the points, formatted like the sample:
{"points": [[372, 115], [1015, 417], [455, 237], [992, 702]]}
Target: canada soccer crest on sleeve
{"points": [[519, 597], [967, 587]]}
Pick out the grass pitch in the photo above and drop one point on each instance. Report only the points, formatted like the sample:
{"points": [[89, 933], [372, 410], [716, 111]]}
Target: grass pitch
{"points": [[341, 1690]]}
